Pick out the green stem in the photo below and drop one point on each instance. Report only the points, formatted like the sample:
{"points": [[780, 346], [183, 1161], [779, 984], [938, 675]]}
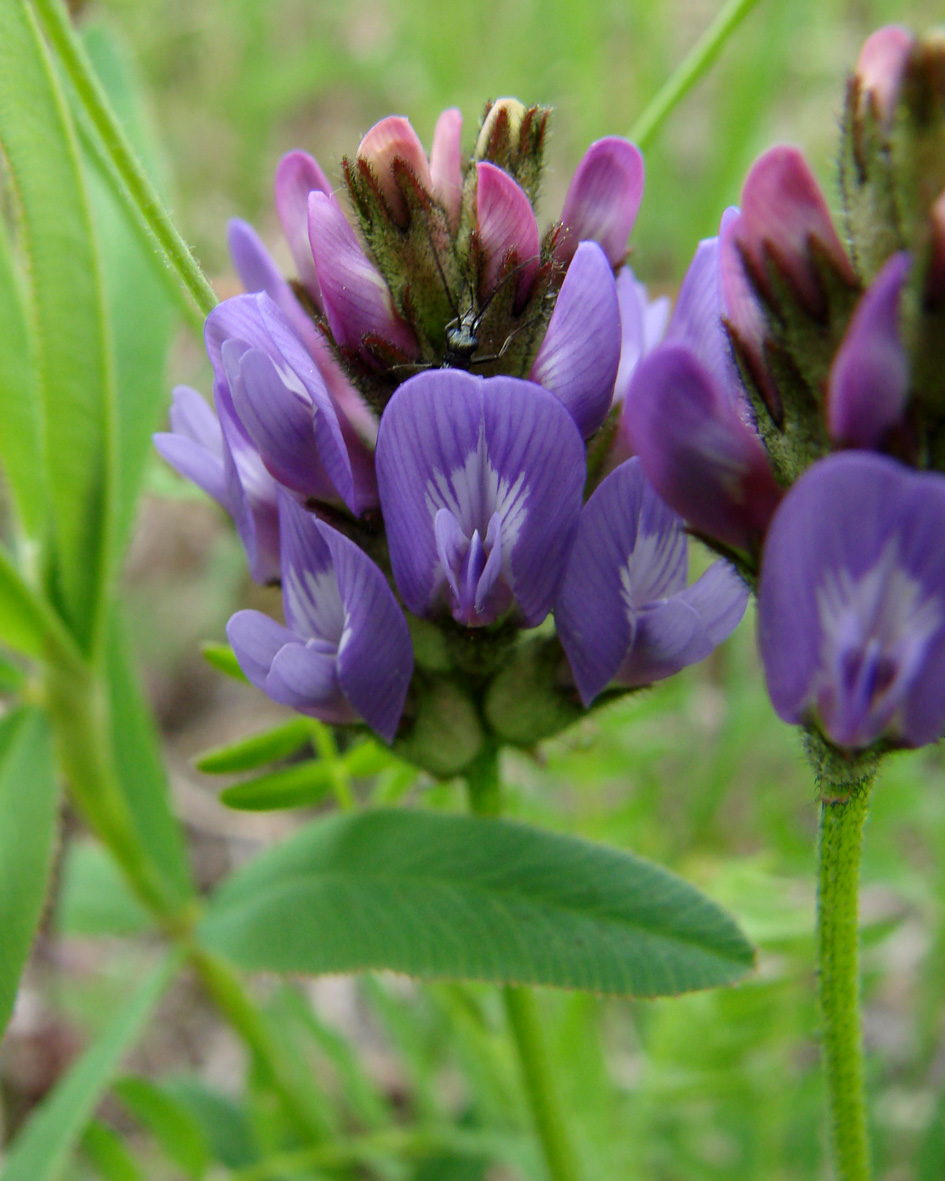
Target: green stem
{"points": [[535, 1062], [695, 65], [226, 991], [140, 200], [841, 837], [77, 701], [327, 748]]}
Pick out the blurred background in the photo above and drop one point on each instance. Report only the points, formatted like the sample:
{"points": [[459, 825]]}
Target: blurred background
{"points": [[697, 774]]}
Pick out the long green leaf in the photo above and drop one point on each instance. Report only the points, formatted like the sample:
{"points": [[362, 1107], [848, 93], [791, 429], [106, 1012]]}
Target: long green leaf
{"points": [[168, 1120], [41, 1151], [26, 621], [138, 303], [471, 898], [67, 310], [21, 441], [27, 829]]}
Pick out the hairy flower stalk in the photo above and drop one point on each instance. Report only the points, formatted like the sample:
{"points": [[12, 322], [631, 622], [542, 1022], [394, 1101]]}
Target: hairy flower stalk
{"points": [[798, 425]]}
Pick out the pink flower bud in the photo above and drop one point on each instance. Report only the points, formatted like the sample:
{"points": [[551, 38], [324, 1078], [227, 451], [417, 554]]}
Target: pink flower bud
{"points": [[357, 300], [387, 142], [602, 200], [446, 160], [507, 227], [783, 219], [880, 66]]}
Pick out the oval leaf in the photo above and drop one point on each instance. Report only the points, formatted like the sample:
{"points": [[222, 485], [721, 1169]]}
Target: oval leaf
{"points": [[465, 897], [28, 797]]}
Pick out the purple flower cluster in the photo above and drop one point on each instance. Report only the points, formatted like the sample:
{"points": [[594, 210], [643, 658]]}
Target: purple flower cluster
{"points": [[786, 421], [405, 426]]}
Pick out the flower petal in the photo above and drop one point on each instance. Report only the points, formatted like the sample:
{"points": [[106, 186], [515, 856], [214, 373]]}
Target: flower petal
{"points": [[255, 640], [579, 356], [703, 459], [375, 655], [697, 317], [194, 446], [357, 300], [869, 380], [258, 272], [851, 604], [446, 159], [782, 212], [479, 446], [393, 139], [297, 175], [603, 199], [507, 228], [880, 66], [251, 492], [274, 403]]}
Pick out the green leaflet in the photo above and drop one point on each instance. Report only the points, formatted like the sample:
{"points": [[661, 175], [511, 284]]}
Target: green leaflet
{"points": [[168, 1120], [265, 747], [470, 898], [28, 796], [67, 315], [41, 1151]]}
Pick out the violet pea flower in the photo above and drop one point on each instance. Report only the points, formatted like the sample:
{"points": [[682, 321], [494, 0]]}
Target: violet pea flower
{"points": [[281, 399], [602, 200], [851, 602], [625, 615], [687, 416], [216, 453], [345, 652], [869, 380], [481, 482]]}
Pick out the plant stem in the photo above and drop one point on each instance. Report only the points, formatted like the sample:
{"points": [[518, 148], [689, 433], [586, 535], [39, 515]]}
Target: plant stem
{"points": [[840, 841], [535, 1062], [695, 65], [225, 989], [77, 703], [140, 199]]}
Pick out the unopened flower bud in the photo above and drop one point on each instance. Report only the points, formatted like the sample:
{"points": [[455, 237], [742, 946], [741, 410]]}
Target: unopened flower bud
{"points": [[504, 117], [389, 148], [880, 66]]}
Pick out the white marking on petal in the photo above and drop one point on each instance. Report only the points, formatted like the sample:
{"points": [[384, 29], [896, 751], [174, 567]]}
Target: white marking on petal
{"points": [[876, 628], [475, 492], [314, 596], [644, 575]]}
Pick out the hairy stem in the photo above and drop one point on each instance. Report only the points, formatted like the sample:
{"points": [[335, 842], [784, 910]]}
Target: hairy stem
{"points": [[535, 1062], [694, 67], [123, 170], [843, 813]]}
